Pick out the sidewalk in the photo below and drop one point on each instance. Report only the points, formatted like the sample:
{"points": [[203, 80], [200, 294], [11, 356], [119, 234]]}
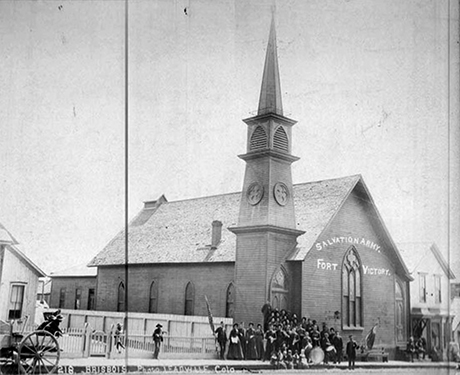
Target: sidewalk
{"points": [[102, 365]]}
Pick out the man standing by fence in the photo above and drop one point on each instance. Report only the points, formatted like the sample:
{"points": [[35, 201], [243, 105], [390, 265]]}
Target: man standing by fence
{"points": [[157, 339], [118, 343]]}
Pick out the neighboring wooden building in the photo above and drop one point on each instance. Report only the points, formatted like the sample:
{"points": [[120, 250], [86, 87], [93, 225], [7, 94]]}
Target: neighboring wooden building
{"points": [[18, 280], [431, 313], [44, 290], [74, 288], [455, 310], [318, 249]]}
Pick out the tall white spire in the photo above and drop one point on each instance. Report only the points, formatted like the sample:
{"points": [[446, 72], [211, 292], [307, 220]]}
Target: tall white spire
{"points": [[270, 92]]}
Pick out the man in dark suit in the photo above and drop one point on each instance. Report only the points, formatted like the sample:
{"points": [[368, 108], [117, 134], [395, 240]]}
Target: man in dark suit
{"points": [[338, 345], [221, 339], [266, 311], [157, 339], [351, 352]]}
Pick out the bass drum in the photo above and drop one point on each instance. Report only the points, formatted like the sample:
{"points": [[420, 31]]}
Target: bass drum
{"points": [[316, 355]]}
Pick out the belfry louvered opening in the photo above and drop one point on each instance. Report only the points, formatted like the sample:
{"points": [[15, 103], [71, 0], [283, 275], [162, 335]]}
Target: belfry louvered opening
{"points": [[258, 139], [280, 140]]}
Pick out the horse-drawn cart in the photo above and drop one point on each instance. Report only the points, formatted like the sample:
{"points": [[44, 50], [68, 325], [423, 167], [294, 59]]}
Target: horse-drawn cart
{"points": [[29, 353]]}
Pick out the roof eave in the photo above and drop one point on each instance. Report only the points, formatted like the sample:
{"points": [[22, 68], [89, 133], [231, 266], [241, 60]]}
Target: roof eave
{"points": [[387, 233], [333, 216], [162, 263], [441, 260], [32, 265]]}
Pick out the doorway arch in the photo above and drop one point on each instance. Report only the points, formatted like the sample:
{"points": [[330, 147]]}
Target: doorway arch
{"points": [[279, 290]]}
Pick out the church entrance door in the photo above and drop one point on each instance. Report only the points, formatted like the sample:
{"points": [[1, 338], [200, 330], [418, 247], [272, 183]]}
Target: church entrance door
{"points": [[280, 291], [280, 300]]}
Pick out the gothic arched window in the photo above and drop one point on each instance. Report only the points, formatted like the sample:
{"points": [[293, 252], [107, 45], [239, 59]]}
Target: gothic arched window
{"points": [[189, 299], [121, 297], [258, 139], [230, 302], [280, 140], [352, 304], [153, 297]]}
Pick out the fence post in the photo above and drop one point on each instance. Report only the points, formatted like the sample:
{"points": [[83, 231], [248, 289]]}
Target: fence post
{"points": [[108, 349], [88, 333], [83, 340], [203, 346]]}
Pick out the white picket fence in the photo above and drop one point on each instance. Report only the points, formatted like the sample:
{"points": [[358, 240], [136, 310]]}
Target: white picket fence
{"points": [[87, 342], [141, 345]]}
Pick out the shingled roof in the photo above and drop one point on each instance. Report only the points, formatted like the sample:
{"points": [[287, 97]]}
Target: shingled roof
{"points": [[180, 231]]}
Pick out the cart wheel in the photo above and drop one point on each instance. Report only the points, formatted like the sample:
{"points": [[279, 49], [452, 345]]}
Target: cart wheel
{"points": [[38, 353]]}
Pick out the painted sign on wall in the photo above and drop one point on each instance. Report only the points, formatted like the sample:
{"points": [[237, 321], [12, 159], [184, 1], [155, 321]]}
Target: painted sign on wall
{"points": [[374, 271], [351, 240]]}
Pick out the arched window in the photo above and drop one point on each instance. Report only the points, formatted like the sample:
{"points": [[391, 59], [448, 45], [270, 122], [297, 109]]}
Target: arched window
{"points": [[280, 140], [153, 297], [230, 302], [400, 313], [280, 290], [189, 299], [121, 297], [258, 139], [352, 304]]}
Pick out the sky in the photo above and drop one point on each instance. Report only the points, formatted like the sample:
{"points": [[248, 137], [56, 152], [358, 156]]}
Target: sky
{"points": [[373, 85]]}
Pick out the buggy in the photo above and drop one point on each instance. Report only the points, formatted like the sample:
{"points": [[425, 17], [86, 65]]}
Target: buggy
{"points": [[37, 352]]}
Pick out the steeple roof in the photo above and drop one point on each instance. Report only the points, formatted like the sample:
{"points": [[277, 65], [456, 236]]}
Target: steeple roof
{"points": [[270, 92]]}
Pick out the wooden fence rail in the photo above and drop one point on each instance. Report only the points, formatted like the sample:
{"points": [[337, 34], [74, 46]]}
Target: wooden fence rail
{"points": [[86, 342]]}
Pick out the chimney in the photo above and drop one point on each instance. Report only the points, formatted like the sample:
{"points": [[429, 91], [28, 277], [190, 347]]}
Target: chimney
{"points": [[216, 233], [155, 204]]}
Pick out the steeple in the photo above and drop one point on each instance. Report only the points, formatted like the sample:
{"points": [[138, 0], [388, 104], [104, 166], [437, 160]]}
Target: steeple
{"points": [[266, 230], [270, 92]]}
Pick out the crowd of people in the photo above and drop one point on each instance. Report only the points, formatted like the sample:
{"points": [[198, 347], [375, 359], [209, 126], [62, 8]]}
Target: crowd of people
{"points": [[284, 340]]}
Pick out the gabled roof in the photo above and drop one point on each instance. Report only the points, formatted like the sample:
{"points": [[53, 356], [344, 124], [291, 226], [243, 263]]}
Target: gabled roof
{"points": [[6, 237], [177, 232], [316, 204], [26, 260], [318, 217], [180, 231], [416, 254]]}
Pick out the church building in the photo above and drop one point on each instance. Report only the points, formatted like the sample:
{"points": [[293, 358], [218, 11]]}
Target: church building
{"points": [[317, 249]]}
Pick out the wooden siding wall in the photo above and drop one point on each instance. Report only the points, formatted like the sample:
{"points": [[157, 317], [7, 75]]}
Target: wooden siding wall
{"points": [[259, 255], [15, 270], [211, 280], [322, 288]]}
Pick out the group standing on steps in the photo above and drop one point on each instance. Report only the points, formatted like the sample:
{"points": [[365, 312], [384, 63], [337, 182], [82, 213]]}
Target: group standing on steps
{"points": [[284, 340]]}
